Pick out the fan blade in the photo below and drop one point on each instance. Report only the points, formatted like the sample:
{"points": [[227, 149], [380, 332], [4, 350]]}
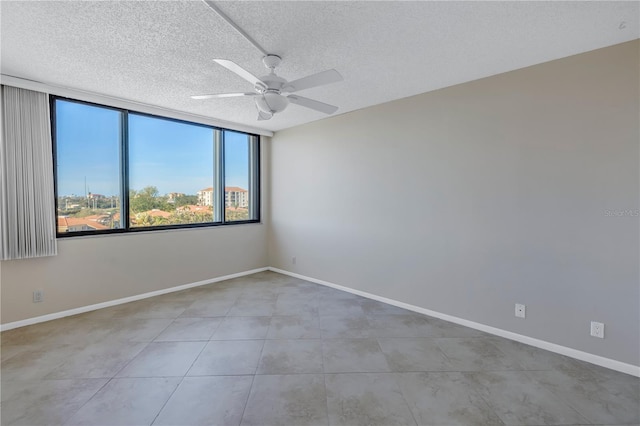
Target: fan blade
{"points": [[315, 80], [233, 67], [223, 95], [310, 103]]}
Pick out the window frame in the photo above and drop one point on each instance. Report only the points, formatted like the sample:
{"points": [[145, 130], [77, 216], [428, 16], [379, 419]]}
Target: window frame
{"points": [[218, 183]]}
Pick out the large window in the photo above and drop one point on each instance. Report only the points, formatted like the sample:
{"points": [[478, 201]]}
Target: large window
{"points": [[118, 171]]}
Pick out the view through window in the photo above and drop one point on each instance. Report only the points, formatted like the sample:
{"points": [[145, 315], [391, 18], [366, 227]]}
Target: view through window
{"points": [[88, 142], [118, 170], [236, 176]]}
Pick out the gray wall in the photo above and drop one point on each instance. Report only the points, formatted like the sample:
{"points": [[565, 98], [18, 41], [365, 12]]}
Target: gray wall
{"points": [[469, 199], [97, 269]]}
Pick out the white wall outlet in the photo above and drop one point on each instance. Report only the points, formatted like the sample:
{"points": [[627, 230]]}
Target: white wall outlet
{"points": [[597, 329], [293, 260], [38, 296], [520, 310]]}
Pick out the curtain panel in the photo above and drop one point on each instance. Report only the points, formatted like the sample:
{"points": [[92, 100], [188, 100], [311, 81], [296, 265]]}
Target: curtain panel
{"points": [[27, 201]]}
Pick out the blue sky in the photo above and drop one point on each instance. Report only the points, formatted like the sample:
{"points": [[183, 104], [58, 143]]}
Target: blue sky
{"points": [[172, 156]]}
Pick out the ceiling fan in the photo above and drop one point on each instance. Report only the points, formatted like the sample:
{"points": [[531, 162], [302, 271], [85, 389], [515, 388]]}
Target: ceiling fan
{"points": [[272, 93]]}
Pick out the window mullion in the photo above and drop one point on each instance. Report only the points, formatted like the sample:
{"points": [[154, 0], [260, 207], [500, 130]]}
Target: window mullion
{"points": [[124, 165], [254, 172], [218, 181]]}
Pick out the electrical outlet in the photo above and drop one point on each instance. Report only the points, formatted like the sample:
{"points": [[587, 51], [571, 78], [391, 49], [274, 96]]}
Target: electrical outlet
{"points": [[38, 296], [520, 310], [597, 329], [293, 260]]}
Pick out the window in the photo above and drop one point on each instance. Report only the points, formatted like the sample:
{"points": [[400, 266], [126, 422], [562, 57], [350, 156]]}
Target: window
{"points": [[88, 167], [237, 176], [169, 163], [119, 171]]}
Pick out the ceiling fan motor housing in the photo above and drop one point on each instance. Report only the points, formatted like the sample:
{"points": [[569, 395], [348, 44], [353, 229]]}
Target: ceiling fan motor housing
{"points": [[270, 99], [273, 82], [271, 61]]}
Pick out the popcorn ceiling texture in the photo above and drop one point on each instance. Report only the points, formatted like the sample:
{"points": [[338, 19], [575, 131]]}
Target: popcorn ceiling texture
{"points": [[160, 53]]}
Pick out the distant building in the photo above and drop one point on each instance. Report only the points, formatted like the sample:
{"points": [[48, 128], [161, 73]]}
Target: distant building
{"points": [[171, 197], [205, 197], [95, 196], [233, 197], [75, 224], [236, 197]]}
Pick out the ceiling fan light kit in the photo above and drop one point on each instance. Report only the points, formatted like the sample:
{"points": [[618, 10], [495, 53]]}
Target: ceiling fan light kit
{"points": [[269, 89], [271, 102]]}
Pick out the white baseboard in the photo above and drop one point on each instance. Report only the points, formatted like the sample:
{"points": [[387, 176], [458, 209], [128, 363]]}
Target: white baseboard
{"points": [[83, 309], [612, 364]]}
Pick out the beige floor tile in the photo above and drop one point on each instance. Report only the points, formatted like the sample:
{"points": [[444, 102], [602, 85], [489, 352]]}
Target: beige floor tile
{"points": [[366, 399], [242, 328], [296, 304], [353, 355], [37, 333], [163, 359], [99, 360], [45, 402], [294, 327], [599, 400], [476, 354], [208, 308], [189, 329], [291, 357], [406, 325], [211, 400], [126, 401], [287, 400], [33, 365], [358, 327], [170, 309], [414, 354], [228, 357], [136, 330], [445, 398], [518, 400], [8, 351], [252, 306]]}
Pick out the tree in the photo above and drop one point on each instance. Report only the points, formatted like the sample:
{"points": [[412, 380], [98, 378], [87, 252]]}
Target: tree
{"points": [[147, 199], [145, 219], [236, 214], [186, 216], [186, 200]]}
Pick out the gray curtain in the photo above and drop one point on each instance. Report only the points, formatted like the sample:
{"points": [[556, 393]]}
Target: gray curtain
{"points": [[27, 201]]}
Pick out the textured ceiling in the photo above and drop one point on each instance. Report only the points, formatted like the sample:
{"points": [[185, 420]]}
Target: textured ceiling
{"points": [[160, 52]]}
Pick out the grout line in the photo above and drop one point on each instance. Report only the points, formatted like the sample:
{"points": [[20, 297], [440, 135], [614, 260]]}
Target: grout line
{"points": [[179, 383], [132, 358], [253, 379], [475, 389], [395, 380], [87, 401], [165, 403], [246, 402]]}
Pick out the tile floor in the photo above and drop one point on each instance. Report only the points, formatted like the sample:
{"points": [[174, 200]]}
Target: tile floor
{"points": [[268, 349]]}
